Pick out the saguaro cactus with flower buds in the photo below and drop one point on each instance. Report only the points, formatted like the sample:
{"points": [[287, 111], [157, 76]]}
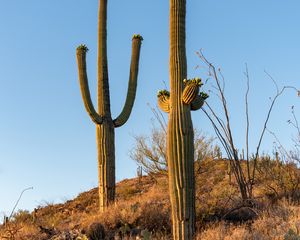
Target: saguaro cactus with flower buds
{"points": [[183, 97], [105, 125]]}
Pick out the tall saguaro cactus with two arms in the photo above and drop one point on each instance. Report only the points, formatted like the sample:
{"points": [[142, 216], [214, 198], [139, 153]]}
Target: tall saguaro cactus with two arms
{"points": [[183, 97], [105, 125]]}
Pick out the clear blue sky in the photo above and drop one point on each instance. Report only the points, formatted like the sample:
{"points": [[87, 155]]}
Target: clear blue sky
{"points": [[47, 140]]}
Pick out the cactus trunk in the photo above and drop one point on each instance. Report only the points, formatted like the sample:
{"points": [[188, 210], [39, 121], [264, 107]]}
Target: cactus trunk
{"points": [[105, 125], [106, 163], [105, 134], [180, 148]]}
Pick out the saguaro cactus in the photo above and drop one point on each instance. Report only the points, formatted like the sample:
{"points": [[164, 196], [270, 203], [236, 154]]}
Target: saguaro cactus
{"points": [[105, 125], [183, 97]]}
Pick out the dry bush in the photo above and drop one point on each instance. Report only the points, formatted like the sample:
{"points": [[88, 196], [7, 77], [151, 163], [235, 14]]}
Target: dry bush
{"points": [[19, 231], [149, 151], [148, 211], [273, 224], [214, 193], [279, 179], [22, 216]]}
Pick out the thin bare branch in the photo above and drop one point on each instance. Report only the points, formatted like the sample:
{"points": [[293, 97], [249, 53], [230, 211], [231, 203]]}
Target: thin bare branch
{"points": [[278, 94], [14, 208], [247, 119]]}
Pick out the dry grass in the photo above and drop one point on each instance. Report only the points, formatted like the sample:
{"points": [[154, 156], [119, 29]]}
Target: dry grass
{"points": [[143, 207], [274, 223]]}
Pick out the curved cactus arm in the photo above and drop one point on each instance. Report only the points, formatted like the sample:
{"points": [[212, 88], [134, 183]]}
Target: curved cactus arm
{"points": [[163, 100], [191, 90], [134, 67], [198, 102], [84, 86]]}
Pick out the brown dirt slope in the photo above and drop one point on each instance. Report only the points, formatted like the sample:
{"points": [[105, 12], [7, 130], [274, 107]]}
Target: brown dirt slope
{"points": [[142, 211]]}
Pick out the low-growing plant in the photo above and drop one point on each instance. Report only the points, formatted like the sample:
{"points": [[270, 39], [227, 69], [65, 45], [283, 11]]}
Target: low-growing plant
{"points": [[22, 216], [291, 235], [96, 232]]}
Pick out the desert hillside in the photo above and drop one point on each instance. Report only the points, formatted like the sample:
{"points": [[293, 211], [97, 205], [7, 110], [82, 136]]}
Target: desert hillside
{"points": [[142, 211]]}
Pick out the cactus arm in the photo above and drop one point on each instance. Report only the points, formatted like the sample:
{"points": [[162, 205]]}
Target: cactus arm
{"points": [[163, 100], [124, 115], [84, 86], [198, 102], [103, 79], [191, 90], [190, 93]]}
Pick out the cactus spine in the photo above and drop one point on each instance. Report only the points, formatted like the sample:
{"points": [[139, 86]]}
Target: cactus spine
{"points": [[105, 125], [183, 98]]}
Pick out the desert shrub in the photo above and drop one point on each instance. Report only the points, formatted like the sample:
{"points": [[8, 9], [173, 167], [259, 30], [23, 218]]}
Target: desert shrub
{"points": [[22, 216], [280, 179], [291, 235], [151, 215], [278, 223], [149, 151], [96, 232], [10, 231], [128, 191], [214, 194], [155, 216], [149, 210]]}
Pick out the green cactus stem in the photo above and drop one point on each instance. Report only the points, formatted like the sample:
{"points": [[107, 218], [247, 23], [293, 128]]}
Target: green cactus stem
{"points": [[196, 81], [180, 135], [163, 100], [191, 90], [189, 93], [132, 84], [204, 95], [163, 92], [198, 102], [138, 36], [105, 125]]}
